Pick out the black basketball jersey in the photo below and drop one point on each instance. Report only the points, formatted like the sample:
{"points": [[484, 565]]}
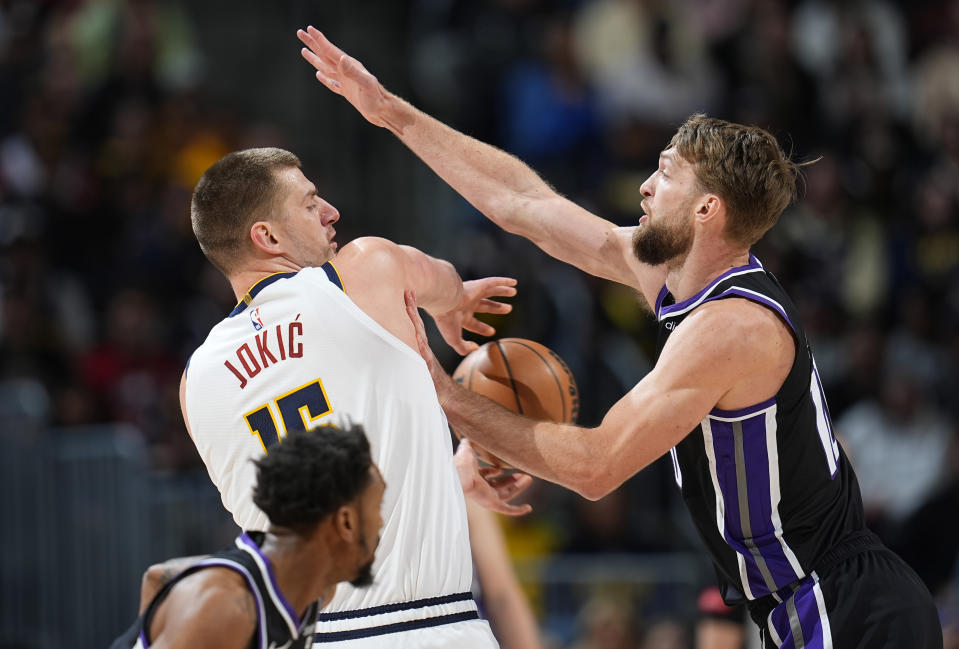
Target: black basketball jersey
{"points": [[277, 625], [768, 487]]}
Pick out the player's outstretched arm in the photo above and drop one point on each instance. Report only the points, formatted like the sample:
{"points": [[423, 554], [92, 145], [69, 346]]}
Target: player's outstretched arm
{"points": [[499, 185], [721, 350]]}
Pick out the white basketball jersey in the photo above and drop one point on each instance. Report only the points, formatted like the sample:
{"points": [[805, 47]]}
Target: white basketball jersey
{"points": [[298, 352]]}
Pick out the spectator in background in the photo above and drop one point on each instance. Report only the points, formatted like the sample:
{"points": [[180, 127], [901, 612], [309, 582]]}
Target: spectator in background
{"points": [[897, 444]]}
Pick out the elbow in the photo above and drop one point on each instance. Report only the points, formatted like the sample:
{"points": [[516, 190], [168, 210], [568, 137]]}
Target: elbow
{"points": [[594, 490], [598, 482]]}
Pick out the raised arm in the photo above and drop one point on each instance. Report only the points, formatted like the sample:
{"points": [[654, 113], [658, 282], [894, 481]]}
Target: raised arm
{"points": [[499, 185]]}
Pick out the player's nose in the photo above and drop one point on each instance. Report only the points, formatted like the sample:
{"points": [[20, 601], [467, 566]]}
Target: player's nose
{"points": [[646, 189], [330, 215]]}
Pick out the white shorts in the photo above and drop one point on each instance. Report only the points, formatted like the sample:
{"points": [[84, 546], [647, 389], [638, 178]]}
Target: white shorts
{"points": [[414, 625]]}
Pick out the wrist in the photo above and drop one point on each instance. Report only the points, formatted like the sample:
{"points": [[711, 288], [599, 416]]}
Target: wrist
{"points": [[396, 114]]}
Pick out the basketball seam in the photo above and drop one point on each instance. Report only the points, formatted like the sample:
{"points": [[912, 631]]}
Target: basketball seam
{"points": [[559, 386], [509, 373]]}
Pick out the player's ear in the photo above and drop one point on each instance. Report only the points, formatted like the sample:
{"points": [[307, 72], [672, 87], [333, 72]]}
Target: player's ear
{"points": [[263, 235], [708, 208], [347, 523]]}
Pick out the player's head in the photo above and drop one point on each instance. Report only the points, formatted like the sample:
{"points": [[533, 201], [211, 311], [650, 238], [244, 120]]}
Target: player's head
{"points": [[257, 203], [712, 164], [326, 476]]}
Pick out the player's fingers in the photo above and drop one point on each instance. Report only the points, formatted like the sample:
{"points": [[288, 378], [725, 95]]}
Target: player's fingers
{"points": [[498, 281], [512, 485], [419, 329], [490, 472], [316, 46], [332, 84], [500, 290], [478, 327], [492, 306], [514, 510], [353, 69], [314, 60], [324, 46]]}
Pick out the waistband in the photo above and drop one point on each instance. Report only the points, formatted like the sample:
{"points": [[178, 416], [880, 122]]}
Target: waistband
{"points": [[850, 546], [395, 618]]}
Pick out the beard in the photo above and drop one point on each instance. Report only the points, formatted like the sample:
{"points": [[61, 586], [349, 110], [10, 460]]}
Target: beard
{"points": [[364, 577], [364, 574], [657, 244]]}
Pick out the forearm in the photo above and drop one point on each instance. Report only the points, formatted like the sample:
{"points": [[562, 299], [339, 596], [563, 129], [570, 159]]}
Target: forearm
{"points": [[498, 184], [559, 453], [445, 288]]}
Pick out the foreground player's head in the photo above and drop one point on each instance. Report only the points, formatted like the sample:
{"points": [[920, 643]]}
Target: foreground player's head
{"points": [[257, 204], [714, 167], [326, 477]]}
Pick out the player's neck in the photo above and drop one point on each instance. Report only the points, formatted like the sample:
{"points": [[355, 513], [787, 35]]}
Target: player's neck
{"points": [[703, 264], [302, 571], [243, 280]]}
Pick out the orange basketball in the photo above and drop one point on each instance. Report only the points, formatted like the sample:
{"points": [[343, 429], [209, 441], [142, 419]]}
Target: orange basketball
{"points": [[523, 376]]}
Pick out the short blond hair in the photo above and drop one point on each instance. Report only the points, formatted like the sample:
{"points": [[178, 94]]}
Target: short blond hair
{"points": [[745, 167], [238, 190]]}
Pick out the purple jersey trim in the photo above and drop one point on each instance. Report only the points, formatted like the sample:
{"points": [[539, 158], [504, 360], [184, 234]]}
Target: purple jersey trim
{"points": [[260, 609], [664, 311], [253, 548], [663, 292], [743, 412]]}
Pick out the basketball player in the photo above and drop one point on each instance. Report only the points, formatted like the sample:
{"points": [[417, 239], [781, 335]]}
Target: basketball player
{"points": [[734, 396], [322, 495], [310, 340]]}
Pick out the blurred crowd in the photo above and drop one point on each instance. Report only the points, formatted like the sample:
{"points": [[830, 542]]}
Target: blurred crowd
{"points": [[106, 124]]}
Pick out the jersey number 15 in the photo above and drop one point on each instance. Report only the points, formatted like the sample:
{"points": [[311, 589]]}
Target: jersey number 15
{"points": [[301, 407]]}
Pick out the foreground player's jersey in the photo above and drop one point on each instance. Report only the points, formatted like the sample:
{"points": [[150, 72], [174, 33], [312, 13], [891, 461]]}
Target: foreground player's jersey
{"points": [[277, 624], [298, 352], [768, 487]]}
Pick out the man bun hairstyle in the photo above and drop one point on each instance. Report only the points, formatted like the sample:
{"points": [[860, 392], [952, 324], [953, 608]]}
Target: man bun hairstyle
{"points": [[238, 190], [311, 474], [744, 166]]}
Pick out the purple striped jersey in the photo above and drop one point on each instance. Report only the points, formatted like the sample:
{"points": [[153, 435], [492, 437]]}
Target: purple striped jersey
{"points": [[277, 624], [768, 487]]}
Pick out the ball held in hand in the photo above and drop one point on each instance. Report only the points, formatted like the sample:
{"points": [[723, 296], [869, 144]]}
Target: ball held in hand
{"points": [[523, 376]]}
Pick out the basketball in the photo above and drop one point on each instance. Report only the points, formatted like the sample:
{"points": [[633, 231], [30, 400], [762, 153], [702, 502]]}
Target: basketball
{"points": [[523, 376]]}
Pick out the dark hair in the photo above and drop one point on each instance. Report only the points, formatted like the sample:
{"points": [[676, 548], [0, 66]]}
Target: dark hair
{"points": [[236, 191], [744, 166], [311, 474]]}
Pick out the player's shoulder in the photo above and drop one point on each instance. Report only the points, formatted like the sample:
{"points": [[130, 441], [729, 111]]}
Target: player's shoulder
{"points": [[220, 588], [736, 323], [369, 258], [367, 248]]}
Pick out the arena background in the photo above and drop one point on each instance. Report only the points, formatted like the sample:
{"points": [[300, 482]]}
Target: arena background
{"points": [[110, 110]]}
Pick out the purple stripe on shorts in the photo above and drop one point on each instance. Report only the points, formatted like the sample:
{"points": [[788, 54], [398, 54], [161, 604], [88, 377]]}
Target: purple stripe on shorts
{"points": [[800, 612]]}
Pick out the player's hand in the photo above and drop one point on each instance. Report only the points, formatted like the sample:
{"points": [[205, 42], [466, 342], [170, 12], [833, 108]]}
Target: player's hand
{"points": [[489, 487], [345, 76], [441, 380], [476, 299]]}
